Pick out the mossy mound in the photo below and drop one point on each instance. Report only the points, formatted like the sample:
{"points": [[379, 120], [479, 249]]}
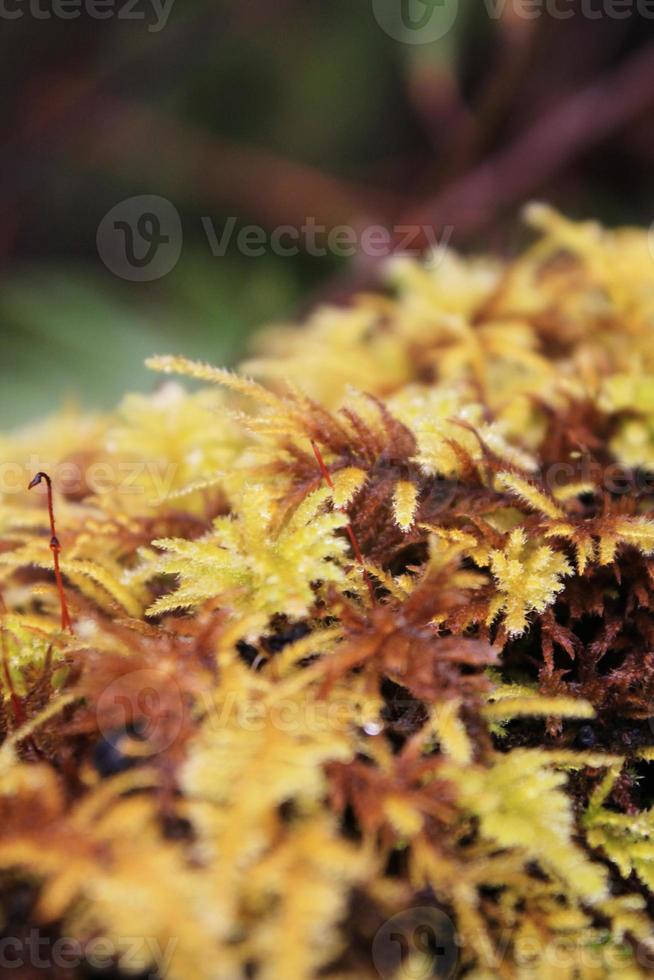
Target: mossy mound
{"points": [[360, 663]]}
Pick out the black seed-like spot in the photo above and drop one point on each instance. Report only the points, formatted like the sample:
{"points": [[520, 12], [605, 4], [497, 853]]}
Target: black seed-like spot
{"points": [[586, 737], [108, 757]]}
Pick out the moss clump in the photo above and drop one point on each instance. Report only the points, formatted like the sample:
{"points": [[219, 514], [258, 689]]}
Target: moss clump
{"points": [[361, 664]]}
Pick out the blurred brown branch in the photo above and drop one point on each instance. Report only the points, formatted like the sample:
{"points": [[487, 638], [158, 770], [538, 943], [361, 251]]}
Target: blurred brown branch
{"points": [[253, 182], [82, 120], [582, 121], [114, 137]]}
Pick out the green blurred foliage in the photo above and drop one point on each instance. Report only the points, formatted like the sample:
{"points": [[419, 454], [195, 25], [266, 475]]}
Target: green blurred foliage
{"points": [[75, 334], [309, 85]]}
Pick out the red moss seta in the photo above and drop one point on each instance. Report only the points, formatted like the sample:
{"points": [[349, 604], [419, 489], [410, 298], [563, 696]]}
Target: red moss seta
{"points": [[55, 548]]}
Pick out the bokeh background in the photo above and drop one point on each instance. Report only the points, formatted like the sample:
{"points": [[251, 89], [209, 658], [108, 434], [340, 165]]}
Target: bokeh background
{"points": [[272, 111]]}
